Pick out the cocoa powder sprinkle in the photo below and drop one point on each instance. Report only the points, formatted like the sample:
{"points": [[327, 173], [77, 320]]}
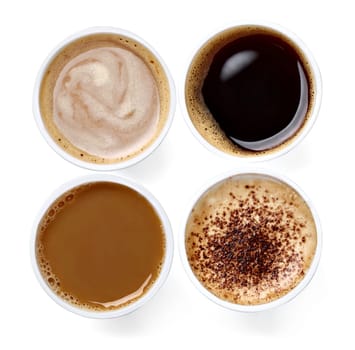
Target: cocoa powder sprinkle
{"points": [[248, 243]]}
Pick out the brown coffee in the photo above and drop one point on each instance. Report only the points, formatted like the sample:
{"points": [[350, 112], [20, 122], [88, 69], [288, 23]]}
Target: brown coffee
{"points": [[250, 239], [104, 98], [100, 246], [249, 91]]}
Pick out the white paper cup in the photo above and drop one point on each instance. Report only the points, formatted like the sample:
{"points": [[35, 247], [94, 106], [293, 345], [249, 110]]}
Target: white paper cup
{"points": [[91, 165], [287, 145], [169, 247], [258, 307]]}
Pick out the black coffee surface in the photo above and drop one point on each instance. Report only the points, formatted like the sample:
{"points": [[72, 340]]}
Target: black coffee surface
{"points": [[257, 91]]}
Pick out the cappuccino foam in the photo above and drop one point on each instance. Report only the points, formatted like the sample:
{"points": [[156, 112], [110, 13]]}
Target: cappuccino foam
{"points": [[250, 239], [104, 98], [106, 102]]}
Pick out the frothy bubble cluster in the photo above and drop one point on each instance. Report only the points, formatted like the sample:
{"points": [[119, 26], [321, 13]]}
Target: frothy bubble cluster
{"points": [[48, 275], [52, 280]]}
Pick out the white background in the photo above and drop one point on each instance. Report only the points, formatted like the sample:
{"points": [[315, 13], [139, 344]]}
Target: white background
{"points": [[178, 316]]}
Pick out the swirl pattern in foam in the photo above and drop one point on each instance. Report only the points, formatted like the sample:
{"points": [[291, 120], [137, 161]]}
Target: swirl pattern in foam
{"points": [[106, 102]]}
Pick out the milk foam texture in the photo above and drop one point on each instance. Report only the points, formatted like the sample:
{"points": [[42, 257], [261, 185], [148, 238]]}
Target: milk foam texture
{"points": [[106, 102], [250, 240]]}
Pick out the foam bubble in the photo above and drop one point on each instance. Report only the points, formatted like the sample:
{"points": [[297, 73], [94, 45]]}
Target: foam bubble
{"points": [[69, 197]]}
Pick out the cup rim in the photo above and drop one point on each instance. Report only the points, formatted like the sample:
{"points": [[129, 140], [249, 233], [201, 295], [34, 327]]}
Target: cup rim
{"points": [[259, 307], [169, 246], [70, 158], [278, 150]]}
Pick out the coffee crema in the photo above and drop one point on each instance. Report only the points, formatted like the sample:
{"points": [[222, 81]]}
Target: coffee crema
{"points": [[250, 239], [104, 98], [249, 90], [100, 246]]}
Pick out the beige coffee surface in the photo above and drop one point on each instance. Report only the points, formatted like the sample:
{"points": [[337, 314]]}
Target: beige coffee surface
{"points": [[104, 98], [100, 246], [250, 239]]}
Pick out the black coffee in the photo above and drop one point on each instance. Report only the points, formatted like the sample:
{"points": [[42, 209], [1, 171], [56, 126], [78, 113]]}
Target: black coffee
{"points": [[257, 90]]}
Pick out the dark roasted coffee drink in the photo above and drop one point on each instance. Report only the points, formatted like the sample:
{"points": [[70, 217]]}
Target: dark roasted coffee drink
{"points": [[250, 239], [250, 90], [100, 246]]}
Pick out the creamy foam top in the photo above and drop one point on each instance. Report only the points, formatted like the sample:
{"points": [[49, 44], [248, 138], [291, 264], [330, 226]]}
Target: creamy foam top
{"points": [[250, 240], [106, 102]]}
